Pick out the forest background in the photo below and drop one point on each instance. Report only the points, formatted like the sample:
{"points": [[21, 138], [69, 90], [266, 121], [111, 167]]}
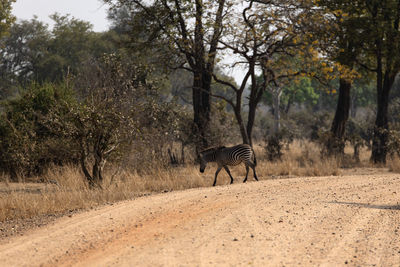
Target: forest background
{"points": [[154, 89]]}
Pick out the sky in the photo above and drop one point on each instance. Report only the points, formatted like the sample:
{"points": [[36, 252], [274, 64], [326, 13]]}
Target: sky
{"points": [[93, 11]]}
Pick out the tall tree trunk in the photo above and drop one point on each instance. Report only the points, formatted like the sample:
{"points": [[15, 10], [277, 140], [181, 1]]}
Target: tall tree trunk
{"points": [[336, 144], [380, 139], [202, 109], [256, 93], [252, 102], [203, 68], [387, 68]]}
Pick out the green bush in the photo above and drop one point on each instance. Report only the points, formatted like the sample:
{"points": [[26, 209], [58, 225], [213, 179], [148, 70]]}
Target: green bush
{"points": [[27, 142]]}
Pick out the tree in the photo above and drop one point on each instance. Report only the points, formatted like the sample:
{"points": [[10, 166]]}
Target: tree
{"points": [[341, 42], [291, 77], [266, 36], [191, 30], [376, 28], [6, 18], [21, 53], [31, 52], [111, 93], [385, 46], [72, 43], [299, 91]]}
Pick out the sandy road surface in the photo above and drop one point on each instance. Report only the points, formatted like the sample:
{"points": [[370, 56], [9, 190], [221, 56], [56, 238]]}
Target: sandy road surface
{"points": [[327, 221]]}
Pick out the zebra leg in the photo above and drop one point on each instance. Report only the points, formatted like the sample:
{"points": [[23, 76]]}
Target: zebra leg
{"points": [[253, 166], [254, 172], [247, 173], [216, 174], [227, 170]]}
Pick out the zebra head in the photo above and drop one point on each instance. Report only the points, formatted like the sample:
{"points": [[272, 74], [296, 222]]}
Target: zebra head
{"points": [[205, 158], [208, 155], [203, 163]]}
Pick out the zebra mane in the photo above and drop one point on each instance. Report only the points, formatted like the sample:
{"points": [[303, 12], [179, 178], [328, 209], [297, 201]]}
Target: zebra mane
{"points": [[209, 154], [212, 149]]}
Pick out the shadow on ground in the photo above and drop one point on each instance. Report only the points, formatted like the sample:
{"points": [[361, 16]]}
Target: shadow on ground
{"points": [[368, 205]]}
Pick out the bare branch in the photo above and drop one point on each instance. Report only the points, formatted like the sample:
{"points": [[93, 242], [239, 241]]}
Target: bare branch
{"points": [[216, 34], [365, 66], [225, 83]]}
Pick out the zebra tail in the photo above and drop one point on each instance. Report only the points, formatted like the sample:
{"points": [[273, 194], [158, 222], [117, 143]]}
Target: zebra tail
{"points": [[254, 157]]}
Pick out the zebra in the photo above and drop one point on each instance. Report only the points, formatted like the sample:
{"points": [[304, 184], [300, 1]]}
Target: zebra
{"points": [[229, 156]]}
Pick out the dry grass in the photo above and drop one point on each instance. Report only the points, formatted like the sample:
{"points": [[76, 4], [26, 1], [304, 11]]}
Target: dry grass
{"points": [[394, 164], [71, 192], [301, 159]]}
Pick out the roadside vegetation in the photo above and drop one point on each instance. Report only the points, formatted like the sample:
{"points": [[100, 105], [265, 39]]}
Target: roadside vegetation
{"points": [[61, 189]]}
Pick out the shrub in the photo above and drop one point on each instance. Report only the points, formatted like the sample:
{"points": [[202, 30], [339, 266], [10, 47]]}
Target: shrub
{"points": [[276, 143], [27, 144], [359, 135]]}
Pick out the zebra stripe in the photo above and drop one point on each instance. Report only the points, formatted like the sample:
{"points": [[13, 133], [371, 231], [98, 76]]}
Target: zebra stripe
{"points": [[229, 156]]}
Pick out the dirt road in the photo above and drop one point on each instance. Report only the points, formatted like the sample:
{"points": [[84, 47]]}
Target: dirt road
{"points": [[328, 221]]}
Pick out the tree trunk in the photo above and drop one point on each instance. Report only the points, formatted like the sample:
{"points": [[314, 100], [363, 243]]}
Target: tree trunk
{"points": [[83, 156], [182, 153], [243, 131], [202, 109], [276, 95], [380, 139], [98, 168], [95, 178], [256, 93], [250, 122], [356, 155], [336, 144], [289, 104], [202, 77], [14, 177], [255, 98], [353, 107]]}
